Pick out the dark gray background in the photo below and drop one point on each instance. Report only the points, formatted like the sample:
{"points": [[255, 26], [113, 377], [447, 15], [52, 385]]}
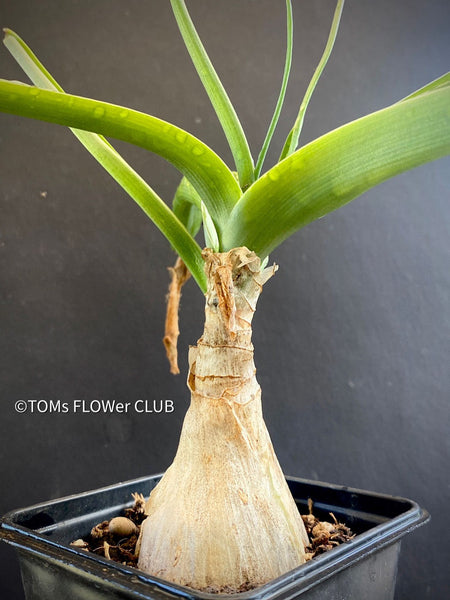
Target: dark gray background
{"points": [[352, 336]]}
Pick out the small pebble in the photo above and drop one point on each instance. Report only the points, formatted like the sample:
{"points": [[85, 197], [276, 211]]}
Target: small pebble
{"points": [[122, 526], [79, 543]]}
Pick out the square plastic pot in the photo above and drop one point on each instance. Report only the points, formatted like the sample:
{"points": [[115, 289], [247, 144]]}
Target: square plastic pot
{"points": [[365, 567]]}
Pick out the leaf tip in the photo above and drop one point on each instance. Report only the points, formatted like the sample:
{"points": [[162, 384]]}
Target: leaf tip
{"points": [[8, 33]]}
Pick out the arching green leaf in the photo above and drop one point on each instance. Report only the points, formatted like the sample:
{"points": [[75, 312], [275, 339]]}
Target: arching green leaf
{"points": [[217, 94], [338, 167], [118, 168], [292, 140], [284, 82], [187, 206], [204, 169]]}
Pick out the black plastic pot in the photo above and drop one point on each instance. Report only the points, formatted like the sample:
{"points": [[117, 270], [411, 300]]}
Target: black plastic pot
{"points": [[364, 568]]}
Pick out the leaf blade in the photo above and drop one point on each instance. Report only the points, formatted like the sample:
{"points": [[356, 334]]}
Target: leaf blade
{"points": [[187, 206], [338, 167], [440, 82], [204, 169], [217, 94], [153, 206], [284, 83], [293, 136], [117, 167]]}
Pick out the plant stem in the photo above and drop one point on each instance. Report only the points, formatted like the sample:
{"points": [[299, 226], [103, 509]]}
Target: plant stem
{"points": [[222, 518]]}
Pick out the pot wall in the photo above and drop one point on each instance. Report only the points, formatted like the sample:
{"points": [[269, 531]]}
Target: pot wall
{"points": [[372, 578], [364, 567]]}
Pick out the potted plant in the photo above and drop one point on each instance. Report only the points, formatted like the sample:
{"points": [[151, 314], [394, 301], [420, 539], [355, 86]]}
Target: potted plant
{"points": [[244, 218]]}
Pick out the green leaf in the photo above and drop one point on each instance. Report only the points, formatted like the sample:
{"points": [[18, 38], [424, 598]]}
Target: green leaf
{"points": [[191, 211], [217, 94], [29, 62], [117, 167], [211, 239], [187, 207], [279, 105], [440, 82], [32, 66], [338, 167], [293, 136], [205, 170]]}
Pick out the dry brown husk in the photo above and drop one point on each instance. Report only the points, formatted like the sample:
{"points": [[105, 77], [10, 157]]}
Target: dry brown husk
{"points": [[179, 274], [222, 518]]}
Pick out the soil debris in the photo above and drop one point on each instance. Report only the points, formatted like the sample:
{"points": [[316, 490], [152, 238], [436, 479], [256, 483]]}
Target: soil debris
{"points": [[117, 539], [324, 535]]}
